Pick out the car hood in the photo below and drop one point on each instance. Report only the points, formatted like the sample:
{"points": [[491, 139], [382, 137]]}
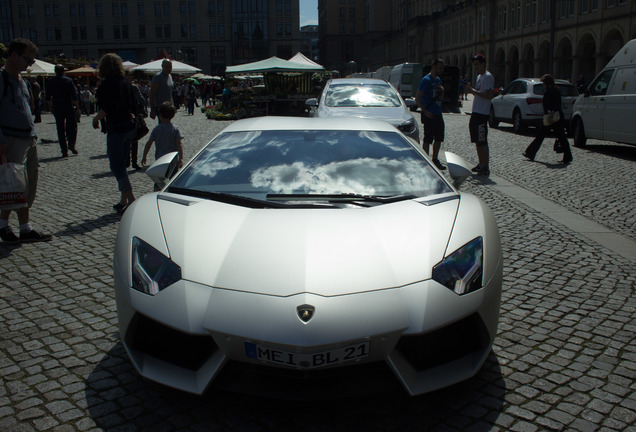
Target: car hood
{"points": [[393, 115], [289, 251]]}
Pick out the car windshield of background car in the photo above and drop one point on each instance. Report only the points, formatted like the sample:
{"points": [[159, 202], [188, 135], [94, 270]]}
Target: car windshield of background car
{"points": [[254, 164], [347, 95]]}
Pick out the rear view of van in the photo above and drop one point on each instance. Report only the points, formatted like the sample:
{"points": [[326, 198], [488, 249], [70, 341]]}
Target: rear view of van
{"points": [[606, 110], [406, 78]]}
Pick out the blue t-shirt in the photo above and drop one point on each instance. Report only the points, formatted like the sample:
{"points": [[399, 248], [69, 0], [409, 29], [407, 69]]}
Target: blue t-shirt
{"points": [[431, 94]]}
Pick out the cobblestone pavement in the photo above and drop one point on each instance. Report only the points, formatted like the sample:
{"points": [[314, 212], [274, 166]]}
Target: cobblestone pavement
{"points": [[564, 359]]}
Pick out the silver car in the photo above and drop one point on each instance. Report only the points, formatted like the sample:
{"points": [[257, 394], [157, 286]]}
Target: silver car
{"points": [[366, 98], [521, 103]]}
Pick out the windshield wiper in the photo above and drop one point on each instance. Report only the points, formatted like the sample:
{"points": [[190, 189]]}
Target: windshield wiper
{"points": [[228, 198], [221, 197], [347, 197]]}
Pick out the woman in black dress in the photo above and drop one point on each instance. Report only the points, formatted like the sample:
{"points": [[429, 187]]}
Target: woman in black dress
{"points": [[551, 104]]}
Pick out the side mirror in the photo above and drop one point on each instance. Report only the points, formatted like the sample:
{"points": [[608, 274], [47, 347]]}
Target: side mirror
{"points": [[410, 102], [313, 102], [163, 169], [458, 168]]}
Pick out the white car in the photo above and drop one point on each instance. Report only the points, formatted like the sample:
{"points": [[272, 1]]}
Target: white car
{"points": [[308, 245], [521, 103], [366, 98]]}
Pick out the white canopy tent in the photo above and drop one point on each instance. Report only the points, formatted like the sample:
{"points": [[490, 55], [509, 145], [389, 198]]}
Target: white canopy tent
{"points": [[177, 67], [40, 68], [302, 59]]}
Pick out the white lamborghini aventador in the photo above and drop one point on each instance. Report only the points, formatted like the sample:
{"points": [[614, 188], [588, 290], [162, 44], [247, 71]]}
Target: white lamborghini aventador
{"points": [[308, 244]]}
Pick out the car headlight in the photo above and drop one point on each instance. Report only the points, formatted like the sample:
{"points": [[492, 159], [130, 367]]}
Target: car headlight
{"points": [[462, 271], [152, 271], [407, 127]]}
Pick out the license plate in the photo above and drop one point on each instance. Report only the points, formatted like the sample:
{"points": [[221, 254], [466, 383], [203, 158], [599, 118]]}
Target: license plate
{"points": [[307, 360]]}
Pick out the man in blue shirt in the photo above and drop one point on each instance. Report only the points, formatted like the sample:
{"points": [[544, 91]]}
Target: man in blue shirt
{"points": [[429, 98]]}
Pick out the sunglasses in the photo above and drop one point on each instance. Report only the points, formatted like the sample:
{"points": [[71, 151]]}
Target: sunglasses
{"points": [[29, 60]]}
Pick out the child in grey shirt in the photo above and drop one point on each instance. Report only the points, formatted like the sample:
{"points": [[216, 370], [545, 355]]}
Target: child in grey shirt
{"points": [[166, 136]]}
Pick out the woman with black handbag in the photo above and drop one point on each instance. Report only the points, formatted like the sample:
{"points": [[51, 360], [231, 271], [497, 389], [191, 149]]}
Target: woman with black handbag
{"points": [[117, 104], [552, 120]]}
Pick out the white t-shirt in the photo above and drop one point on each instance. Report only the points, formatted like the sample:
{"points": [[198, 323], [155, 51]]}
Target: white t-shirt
{"points": [[484, 83]]}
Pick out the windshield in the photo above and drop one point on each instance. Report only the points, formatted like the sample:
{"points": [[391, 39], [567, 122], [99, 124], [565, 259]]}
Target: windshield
{"points": [[361, 95], [259, 164]]}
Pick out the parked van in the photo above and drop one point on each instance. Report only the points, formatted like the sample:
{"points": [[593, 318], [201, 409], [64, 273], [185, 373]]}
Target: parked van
{"points": [[606, 110], [383, 73], [406, 78]]}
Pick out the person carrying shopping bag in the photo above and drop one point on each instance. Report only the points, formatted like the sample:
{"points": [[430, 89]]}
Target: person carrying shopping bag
{"points": [[552, 120]]}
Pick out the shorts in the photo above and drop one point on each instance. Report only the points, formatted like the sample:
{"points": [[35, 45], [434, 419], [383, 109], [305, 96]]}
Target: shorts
{"points": [[433, 128], [478, 127], [24, 151]]}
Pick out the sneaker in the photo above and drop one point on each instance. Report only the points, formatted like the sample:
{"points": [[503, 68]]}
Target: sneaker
{"points": [[34, 236], [7, 235], [475, 169], [526, 155], [438, 164], [73, 150]]}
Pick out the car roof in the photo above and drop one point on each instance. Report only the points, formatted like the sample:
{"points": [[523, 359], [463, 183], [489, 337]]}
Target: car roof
{"points": [[355, 81], [273, 123], [538, 81]]}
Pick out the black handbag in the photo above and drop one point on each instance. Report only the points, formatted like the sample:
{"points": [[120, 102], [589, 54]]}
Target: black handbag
{"points": [[140, 128]]}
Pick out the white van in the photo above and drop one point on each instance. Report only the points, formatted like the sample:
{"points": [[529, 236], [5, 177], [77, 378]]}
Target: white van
{"points": [[406, 78], [606, 110], [383, 73]]}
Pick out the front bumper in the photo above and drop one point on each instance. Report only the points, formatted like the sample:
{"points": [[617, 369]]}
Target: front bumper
{"points": [[428, 336]]}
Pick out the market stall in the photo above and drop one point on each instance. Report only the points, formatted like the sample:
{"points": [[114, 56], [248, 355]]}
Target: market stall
{"points": [[286, 85]]}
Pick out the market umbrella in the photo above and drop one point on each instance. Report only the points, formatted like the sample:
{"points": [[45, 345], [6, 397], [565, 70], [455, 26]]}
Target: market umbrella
{"points": [[192, 79], [177, 67], [83, 71], [128, 65]]}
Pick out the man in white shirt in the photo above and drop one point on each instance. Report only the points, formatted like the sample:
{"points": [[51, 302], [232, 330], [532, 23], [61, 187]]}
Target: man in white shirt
{"points": [[478, 126]]}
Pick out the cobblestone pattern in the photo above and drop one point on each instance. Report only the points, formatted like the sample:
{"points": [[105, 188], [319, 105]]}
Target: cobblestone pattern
{"points": [[600, 184], [564, 359]]}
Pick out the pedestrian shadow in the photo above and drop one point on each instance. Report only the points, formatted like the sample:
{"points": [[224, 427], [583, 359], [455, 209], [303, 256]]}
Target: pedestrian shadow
{"points": [[117, 397], [86, 226], [102, 156], [482, 180]]}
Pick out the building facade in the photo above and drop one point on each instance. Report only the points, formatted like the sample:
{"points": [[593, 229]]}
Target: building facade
{"points": [[518, 37], [209, 34]]}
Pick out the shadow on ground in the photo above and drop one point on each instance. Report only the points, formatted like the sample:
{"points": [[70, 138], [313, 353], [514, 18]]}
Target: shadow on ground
{"points": [[119, 399]]}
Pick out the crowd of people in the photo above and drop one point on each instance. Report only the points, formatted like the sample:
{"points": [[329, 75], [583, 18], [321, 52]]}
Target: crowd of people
{"points": [[121, 104]]}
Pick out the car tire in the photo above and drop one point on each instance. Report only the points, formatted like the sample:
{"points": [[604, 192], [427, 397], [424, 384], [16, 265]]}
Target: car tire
{"points": [[517, 121], [492, 120], [579, 133]]}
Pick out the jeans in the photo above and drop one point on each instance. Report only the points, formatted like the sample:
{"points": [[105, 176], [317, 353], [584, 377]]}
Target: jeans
{"points": [[118, 150]]}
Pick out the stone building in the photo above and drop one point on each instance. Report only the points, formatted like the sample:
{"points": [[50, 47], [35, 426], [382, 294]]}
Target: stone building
{"points": [[209, 34], [518, 36]]}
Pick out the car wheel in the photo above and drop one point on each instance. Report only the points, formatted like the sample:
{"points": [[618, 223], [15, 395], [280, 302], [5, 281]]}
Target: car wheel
{"points": [[517, 123], [579, 133], [492, 120]]}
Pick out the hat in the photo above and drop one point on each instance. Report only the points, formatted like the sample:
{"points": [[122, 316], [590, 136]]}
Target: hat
{"points": [[480, 58]]}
